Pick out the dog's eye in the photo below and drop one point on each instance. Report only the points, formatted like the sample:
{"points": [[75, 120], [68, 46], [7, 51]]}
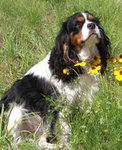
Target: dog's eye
{"points": [[77, 26], [96, 20]]}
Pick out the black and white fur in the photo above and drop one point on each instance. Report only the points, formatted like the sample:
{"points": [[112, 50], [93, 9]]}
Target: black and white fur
{"points": [[34, 94]]}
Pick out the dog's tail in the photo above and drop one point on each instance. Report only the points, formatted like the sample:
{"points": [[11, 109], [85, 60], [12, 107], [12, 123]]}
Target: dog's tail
{"points": [[8, 97], [5, 100], [3, 103]]}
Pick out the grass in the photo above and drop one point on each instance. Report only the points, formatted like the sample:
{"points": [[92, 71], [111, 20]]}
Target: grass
{"points": [[27, 32]]}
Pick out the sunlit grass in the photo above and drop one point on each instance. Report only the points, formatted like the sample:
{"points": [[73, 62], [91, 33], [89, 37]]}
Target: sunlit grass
{"points": [[27, 32]]}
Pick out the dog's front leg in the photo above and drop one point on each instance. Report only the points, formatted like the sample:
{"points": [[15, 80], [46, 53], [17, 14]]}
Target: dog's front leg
{"points": [[66, 131]]}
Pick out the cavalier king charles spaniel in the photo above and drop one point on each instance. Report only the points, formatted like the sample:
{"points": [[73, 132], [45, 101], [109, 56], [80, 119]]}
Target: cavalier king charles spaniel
{"points": [[32, 101]]}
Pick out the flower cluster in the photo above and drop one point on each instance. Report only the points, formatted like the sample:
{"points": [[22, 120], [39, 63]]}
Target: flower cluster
{"points": [[118, 70], [95, 65]]}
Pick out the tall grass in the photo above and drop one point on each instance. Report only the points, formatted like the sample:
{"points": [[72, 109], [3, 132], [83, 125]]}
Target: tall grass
{"points": [[27, 32]]}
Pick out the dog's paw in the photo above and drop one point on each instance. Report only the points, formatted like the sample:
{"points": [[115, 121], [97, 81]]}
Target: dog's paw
{"points": [[65, 146], [46, 146]]}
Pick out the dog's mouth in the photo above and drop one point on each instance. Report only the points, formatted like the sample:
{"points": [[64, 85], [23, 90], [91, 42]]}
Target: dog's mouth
{"points": [[91, 36]]}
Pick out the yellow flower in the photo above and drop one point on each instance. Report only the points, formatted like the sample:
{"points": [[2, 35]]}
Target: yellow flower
{"points": [[96, 59], [66, 71], [116, 70], [98, 68], [81, 63], [119, 57], [94, 69], [118, 73], [119, 77], [111, 61]]}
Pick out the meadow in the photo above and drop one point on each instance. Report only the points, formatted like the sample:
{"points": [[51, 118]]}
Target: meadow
{"points": [[27, 33]]}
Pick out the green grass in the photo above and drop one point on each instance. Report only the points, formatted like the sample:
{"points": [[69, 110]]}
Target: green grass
{"points": [[27, 32]]}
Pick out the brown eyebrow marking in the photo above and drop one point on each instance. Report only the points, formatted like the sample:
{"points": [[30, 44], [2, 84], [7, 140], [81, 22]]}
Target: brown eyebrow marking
{"points": [[90, 17], [80, 19]]}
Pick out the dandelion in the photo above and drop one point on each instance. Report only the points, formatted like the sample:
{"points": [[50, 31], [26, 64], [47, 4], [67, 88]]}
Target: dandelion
{"points": [[96, 59], [81, 63], [119, 57], [111, 61], [118, 73], [94, 69], [66, 71]]}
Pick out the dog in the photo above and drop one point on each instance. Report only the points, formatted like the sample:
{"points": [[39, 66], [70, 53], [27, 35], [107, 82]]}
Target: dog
{"points": [[32, 98]]}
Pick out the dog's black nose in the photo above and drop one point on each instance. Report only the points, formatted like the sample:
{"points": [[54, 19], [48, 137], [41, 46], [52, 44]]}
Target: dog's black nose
{"points": [[91, 26]]}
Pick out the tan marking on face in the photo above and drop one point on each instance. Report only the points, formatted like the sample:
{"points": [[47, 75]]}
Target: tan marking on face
{"points": [[81, 19], [76, 40], [90, 17]]}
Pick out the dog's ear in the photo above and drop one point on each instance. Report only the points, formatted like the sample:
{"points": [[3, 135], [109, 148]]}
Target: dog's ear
{"points": [[104, 48], [62, 45]]}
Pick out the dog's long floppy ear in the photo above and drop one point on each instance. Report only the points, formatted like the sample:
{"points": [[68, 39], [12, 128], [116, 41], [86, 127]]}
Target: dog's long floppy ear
{"points": [[62, 45], [104, 48], [63, 55]]}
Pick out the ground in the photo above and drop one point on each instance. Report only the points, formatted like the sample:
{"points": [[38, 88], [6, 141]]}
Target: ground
{"points": [[27, 32]]}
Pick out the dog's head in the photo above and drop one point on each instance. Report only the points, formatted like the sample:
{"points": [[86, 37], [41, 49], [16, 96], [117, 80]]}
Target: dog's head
{"points": [[83, 30], [80, 31]]}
